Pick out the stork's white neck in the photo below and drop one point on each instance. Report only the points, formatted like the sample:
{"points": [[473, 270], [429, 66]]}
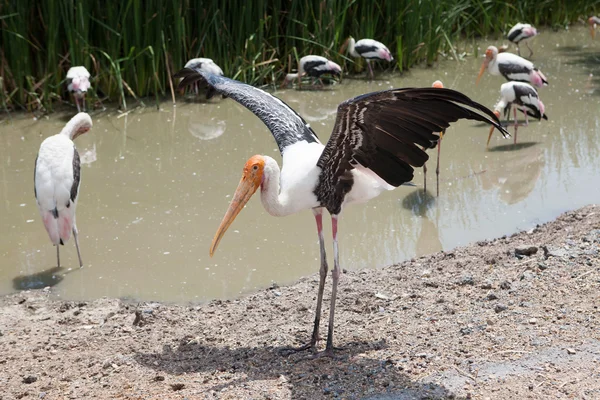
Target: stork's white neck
{"points": [[79, 124], [500, 105], [275, 204], [351, 49]]}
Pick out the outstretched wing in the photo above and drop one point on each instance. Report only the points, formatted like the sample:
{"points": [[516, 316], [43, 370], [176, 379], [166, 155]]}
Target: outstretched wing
{"points": [[384, 131], [284, 123]]}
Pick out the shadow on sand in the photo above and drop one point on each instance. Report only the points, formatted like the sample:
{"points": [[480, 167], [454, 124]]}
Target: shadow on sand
{"points": [[306, 376]]}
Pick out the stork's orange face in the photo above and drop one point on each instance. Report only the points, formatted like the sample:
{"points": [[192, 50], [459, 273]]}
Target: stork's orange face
{"points": [[252, 177], [489, 55], [344, 46]]}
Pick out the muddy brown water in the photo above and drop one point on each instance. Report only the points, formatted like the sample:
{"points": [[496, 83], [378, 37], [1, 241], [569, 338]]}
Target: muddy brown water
{"points": [[156, 184]]}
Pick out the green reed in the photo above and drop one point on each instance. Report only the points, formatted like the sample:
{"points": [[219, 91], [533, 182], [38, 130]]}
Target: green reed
{"points": [[132, 47]]}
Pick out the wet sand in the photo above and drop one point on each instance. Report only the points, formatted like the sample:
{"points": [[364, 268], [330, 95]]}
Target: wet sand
{"points": [[474, 322]]}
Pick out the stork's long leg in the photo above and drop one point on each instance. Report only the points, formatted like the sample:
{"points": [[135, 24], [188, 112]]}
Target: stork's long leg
{"points": [[370, 69], [437, 168], [77, 103], [424, 175], [526, 116], [516, 123], [335, 274], [530, 51], [518, 50], [57, 256], [318, 213], [76, 237]]}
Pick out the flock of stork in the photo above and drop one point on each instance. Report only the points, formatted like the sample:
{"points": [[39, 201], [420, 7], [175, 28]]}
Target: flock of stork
{"points": [[377, 141]]}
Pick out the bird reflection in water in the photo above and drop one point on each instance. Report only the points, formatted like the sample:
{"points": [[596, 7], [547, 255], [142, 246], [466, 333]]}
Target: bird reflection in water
{"points": [[311, 111], [89, 156], [419, 202], [514, 173], [39, 280], [204, 127]]}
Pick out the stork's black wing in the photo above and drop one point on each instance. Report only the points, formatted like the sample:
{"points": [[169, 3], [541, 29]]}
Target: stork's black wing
{"points": [[284, 123], [384, 131]]}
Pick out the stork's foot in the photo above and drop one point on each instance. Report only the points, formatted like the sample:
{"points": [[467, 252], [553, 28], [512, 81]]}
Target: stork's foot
{"points": [[330, 352], [288, 351]]}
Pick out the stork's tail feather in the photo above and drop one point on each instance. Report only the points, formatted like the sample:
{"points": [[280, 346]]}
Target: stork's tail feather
{"points": [[51, 224], [65, 227]]}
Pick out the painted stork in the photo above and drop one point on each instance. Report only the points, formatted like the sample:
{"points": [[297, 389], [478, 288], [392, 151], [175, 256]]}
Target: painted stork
{"points": [[521, 33], [78, 83], [373, 148], [208, 65], [368, 49], [594, 22], [512, 67], [519, 95], [57, 177], [436, 84], [313, 66]]}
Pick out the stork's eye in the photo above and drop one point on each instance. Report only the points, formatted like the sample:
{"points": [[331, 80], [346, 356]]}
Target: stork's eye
{"points": [[255, 167]]}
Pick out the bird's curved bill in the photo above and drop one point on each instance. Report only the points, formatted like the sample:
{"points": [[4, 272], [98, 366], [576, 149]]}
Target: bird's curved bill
{"points": [[481, 71], [246, 188]]}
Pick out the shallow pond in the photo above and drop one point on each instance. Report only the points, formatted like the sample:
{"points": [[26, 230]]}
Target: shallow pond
{"points": [[155, 185]]}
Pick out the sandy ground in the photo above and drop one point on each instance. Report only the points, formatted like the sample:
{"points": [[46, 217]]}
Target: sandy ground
{"points": [[475, 322]]}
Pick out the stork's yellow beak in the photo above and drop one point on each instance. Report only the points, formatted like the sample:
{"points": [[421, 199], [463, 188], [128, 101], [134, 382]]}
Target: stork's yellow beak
{"points": [[251, 180], [497, 114], [481, 71]]}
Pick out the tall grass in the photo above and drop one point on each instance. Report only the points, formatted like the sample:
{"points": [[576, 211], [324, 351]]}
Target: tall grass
{"points": [[131, 47]]}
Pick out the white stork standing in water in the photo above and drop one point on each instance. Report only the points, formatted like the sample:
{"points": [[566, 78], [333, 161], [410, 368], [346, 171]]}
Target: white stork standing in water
{"points": [[313, 66], [512, 67], [522, 96], [208, 65], [368, 49], [594, 22], [436, 84], [57, 177], [78, 83], [521, 33], [375, 144]]}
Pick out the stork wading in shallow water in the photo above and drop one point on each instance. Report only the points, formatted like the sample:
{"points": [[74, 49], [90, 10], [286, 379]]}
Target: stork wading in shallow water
{"points": [[78, 83], [593, 22], [512, 67], [208, 65], [436, 84], [57, 177], [519, 95], [313, 66], [375, 144], [368, 49], [522, 33]]}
